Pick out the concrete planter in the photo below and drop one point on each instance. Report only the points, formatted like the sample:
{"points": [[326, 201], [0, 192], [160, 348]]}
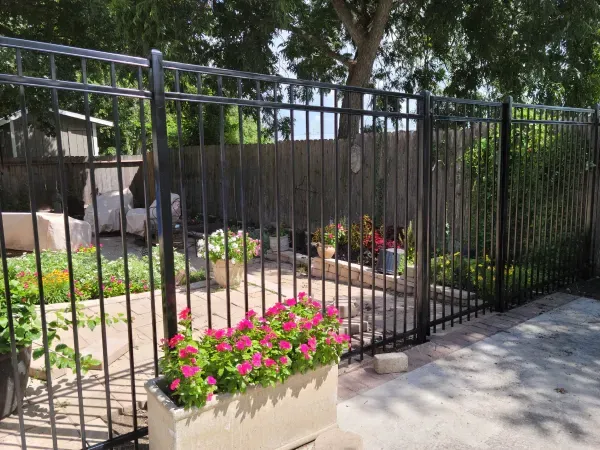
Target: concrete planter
{"points": [[284, 243], [235, 273], [284, 416]]}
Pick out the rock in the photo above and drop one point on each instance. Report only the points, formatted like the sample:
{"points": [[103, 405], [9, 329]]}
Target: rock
{"points": [[343, 308], [337, 439], [390, 363]]}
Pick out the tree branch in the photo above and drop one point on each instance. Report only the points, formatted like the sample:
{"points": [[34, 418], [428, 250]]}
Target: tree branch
{"points": [[380, 17], [355, 30], [322, 46]]}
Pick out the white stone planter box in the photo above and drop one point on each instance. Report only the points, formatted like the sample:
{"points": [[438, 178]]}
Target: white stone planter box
{"points": [[284, 416]]}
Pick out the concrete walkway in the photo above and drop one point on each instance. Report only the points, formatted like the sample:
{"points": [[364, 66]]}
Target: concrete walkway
{"points": [[533, 386]]}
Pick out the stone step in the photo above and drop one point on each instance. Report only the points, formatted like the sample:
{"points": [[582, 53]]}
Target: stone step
{"points": [[354, 327]]}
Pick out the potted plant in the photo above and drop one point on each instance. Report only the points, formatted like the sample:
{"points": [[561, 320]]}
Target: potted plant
{"points": [[268, 383], [235, 255], [27, 329], [284, 242], [329, 239]]}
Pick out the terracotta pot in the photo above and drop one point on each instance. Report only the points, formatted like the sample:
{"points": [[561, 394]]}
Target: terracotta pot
{"points": [[235, 273], [8, 391], [329, 251]]}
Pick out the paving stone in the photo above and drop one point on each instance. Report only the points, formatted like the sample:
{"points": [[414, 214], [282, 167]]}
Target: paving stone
{"points": [[116, 346], [338, 439], [390, 363]]}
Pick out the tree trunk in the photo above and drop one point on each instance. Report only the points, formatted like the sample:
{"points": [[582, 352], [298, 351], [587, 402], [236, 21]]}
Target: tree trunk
{"points": [[360, 72]]}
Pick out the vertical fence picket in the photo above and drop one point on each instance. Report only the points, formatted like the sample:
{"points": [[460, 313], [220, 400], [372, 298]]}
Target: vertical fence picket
{"points": [[162, 182], [502, 202], [422, 263]]}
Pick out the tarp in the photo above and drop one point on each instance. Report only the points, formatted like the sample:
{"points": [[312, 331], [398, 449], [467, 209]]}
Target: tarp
{"points": [[18, 232], [109, 211], [136, 221], [175, 208], [136, 218]]}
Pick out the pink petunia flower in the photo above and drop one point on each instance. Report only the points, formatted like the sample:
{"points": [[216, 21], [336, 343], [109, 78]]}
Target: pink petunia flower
{"points": [[266, 343], [257, 359], [189, 371], [317, 319], [289, 326], [290, 301], [332, 311], [230, 331], [191, 350], [182, 353], [244, 368], [175, 384], [269, 362], [285, 345], [301, 295], [223, 347], [307, 325], [211, 380], [175, 340], [304, 349], [292, 315], [312, 343], [209, 397], [283, 360], [245, 325], [184, 314], [209, 332], [243, 342], [219, 334], [250, 314]]}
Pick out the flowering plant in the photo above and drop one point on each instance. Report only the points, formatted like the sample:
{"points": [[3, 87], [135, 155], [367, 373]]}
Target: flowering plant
{"points": [[235, 246], [294, 336], [28, 327], [329, 235]]}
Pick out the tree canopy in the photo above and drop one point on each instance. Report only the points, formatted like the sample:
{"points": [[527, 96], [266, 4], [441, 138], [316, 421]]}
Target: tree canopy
{"points": [[547, 51]]}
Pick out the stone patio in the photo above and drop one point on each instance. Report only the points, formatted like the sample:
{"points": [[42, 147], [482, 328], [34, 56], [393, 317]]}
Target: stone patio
{"points": [[121, 394]]}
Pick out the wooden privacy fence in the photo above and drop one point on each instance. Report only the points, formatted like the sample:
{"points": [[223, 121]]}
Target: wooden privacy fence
{"points": [[303, 173], [46, 187], [306, 172]]}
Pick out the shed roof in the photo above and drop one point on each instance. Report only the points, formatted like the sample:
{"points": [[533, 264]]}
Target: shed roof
{"points": [[63, 112]]}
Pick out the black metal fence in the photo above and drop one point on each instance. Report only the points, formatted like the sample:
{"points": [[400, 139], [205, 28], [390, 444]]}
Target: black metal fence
{"points": [[442, 208]]}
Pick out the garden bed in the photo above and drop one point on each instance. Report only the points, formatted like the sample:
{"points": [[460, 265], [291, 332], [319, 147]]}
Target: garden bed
{"points": [[55, 275]]}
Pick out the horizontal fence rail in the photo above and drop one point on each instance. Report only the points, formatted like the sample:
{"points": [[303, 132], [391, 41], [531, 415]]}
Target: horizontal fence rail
{"points": [[409, 213]]}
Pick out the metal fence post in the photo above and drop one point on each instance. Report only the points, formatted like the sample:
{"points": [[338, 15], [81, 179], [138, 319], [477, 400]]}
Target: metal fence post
{"points": [[162, 182], [502, 202], [423, 212], [590, 223]]}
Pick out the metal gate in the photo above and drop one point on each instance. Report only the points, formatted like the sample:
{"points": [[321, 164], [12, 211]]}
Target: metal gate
{"points": [[436, 207]]}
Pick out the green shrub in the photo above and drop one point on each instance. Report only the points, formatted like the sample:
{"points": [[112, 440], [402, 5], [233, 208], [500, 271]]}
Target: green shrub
{"points": [[478, 275]]}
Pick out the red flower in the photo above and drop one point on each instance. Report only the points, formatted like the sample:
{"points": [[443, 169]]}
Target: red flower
{"points": [[175, 340], [183, 315], [288, 326]]}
